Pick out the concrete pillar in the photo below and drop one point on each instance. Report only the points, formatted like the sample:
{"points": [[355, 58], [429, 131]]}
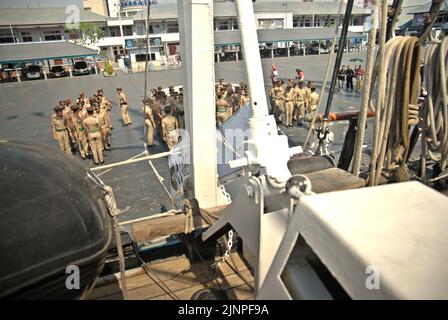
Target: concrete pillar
{"points": [[319, 48], [304, 47], [18, 73], [272, 52], [288, 45], [236, 53], [197, 44]]}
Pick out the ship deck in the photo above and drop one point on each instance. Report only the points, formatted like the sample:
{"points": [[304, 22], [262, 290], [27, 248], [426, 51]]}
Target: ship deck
{"points": [[178, 279]]}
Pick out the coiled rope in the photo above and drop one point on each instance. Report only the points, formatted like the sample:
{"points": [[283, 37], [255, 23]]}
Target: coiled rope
{"points": [[396, 107], [435, 120]]}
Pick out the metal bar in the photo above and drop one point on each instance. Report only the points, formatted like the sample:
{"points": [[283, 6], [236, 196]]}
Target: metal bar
{"points": [[341, 45], [251, 57], [349, 146]]}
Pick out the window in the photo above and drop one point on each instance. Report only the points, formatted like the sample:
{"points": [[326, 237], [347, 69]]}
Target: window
{"points": [[114, 31], [6, 38], [172, 27], [140, 30], [223, 25], [27, 37], [142, 57], [52, 35], [235, 24], [127, 30], [270, 23], [157, 28], [307, 23], [295, 23]]}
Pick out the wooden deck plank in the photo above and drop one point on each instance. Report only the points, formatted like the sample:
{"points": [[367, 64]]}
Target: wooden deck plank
{"points": [[334, 179], [176, 275]]}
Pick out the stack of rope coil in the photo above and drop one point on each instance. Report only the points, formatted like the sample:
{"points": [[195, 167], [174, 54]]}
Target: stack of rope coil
{"points": [[435, 120], [398, 90]]}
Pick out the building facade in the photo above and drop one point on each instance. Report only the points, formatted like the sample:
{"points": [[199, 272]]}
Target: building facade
{"points": [[124, 24]]}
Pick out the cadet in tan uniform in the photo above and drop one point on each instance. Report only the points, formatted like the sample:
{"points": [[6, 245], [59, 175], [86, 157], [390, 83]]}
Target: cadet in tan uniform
{"points": [[289, 105], [124, 107], [80, 134], [244, 99], [308, 94], [299, 110], [169, 129], [60, 127], [149, 122], [102, 119], [272, 99], [222, 109], [314, 99], [278, 100], [92, 127]]}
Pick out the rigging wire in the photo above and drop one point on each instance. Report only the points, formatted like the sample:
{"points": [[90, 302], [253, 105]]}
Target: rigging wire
{"points": [[327, 72]]}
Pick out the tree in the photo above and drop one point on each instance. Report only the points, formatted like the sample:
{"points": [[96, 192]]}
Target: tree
{"points": [[88, 34]]}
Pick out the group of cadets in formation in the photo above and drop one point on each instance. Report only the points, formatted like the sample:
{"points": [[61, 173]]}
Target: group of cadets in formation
{"points": [[294, 100], [87, 123], [229, 99]]}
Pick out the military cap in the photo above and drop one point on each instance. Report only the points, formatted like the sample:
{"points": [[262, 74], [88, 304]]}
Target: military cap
{"points": [[90, 109], [57, 108]]}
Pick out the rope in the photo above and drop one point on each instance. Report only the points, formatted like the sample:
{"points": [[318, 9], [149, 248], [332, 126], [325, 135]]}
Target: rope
{"points": [[327, 72], [435, 123], [365, 99], [398, 75], [381, 81], [111, 204]]}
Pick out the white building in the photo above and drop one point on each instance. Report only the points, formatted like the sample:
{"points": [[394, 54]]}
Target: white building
{"points": [[125, 33]]}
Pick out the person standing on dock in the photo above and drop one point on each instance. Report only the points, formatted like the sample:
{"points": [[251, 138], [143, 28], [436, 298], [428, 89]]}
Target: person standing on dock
{"points": [[314, 99], [149, 122], [289, 104], [92, 127], [274, 73], [222, 109], [169, 129], [124, 107], [60, 127], [80, 134], [299, 110], [279, 105], [350, 74]]}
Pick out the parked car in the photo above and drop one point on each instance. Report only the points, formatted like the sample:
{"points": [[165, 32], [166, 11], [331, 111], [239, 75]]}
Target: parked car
{"points": [[32, 71], [81, 67], [57, 72]]}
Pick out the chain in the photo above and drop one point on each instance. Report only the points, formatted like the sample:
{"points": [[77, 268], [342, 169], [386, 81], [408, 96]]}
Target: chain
{"points": [[226, 254]]}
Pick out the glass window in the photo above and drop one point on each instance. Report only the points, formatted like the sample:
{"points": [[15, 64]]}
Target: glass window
{"points": [[114, 31], [270, 23], [223, 25], [142, 57], [295, 23], [127, 30], [27, 37], [140, 30], [52, 35], [172, 27], [6, 38]]}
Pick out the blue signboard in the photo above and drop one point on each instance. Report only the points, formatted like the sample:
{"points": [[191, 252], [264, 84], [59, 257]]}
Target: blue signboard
{"points": [[135, 3]]}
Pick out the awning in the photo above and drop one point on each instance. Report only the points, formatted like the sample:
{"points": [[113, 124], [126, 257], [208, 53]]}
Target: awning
{"points": [[26, 52], [224, 38]]}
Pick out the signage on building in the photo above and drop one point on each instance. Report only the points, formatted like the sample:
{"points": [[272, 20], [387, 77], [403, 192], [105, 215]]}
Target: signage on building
{"points": [[135, 3], [140, 42]]}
